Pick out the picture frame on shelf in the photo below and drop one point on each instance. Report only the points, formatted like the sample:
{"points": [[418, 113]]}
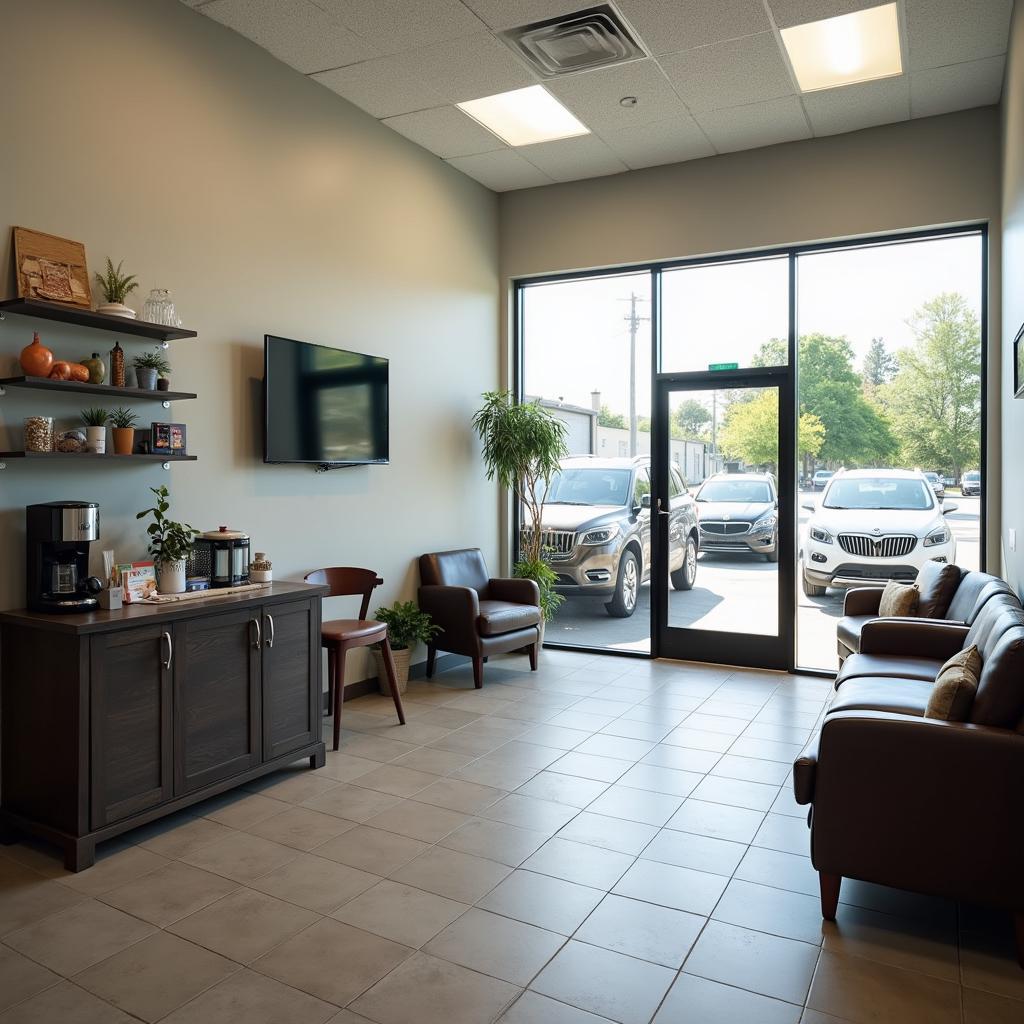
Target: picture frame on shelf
{"points": [[168, 439], [51, 268], [1018, 364]]}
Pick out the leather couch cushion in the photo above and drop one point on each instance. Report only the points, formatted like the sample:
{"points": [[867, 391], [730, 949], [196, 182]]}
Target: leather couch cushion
{"points": [[953, 693], [975, 590], [877, 693], [502, 617], [848, 630], [999, 614], [462, 568], [899, 600], [936, 584], [890, 666], [1000, 697]]}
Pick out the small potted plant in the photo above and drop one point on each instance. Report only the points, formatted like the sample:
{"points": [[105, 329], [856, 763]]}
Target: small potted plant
{"points": [[116, 287], [95, 421], [407, 624], [148, 367], [123, 423], [170, 544]]}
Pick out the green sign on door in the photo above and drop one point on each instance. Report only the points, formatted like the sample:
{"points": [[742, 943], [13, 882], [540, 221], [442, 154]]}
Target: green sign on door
{"points": [[723, 366]]}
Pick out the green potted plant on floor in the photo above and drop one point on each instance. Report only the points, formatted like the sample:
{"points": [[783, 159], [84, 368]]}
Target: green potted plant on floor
{"points": [[148, 367], [122, 422], [170, 543], [522, 448], [116, 287], [407, 625]]}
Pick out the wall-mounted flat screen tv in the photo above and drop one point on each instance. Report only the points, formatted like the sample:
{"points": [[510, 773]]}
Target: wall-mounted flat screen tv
{"points": [[323, 405]]}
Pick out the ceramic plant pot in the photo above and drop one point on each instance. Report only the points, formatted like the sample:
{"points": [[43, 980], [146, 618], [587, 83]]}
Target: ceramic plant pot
{"points": [[124, 440], [401, 657], [146, 377], [117, 309], [96, 440], [170, 577]]}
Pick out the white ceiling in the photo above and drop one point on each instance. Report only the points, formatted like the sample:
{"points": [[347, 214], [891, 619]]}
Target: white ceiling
{"points": [[715, 82]]}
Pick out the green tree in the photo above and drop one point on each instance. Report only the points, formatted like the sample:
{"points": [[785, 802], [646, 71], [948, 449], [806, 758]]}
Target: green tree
{"points": [[880, 365], [751, 430], [693, 419], [607, 418], [935, 398]]}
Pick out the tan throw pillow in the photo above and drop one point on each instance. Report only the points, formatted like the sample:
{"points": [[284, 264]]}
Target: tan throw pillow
{"points": [[955, 686], [898, 599]]}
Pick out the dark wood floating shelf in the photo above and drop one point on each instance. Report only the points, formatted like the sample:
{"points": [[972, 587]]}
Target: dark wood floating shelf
{"points": [[90, 318], [46, 384], [108, 456]]}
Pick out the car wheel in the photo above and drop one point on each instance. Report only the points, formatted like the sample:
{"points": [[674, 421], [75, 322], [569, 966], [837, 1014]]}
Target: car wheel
{"points": [[685, 576], [773, 555], [627, 588], [812, 589]]}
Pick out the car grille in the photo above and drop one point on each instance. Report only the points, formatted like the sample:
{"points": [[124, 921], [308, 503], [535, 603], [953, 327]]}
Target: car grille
{"points": [[725, 529], [891, 546], [557, 544]]}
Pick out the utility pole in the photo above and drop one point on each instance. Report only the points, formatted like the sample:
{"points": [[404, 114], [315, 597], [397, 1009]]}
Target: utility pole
{"points": [[634, 322]]}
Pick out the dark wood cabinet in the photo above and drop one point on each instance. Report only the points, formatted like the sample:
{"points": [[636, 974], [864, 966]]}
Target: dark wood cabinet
{"points": [[112, 719]]}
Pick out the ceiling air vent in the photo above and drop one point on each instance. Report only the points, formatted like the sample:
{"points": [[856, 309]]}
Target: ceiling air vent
{"points": [[581, 41]]}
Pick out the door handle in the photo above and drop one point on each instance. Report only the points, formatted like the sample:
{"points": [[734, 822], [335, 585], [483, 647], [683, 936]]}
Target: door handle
{"points": [[660, 510], [270, 634], [259, 642], [170, 651]]}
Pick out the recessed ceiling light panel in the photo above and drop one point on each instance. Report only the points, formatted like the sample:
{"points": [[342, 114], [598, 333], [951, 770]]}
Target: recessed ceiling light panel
{"points": [[858, 47], [524, 117]]}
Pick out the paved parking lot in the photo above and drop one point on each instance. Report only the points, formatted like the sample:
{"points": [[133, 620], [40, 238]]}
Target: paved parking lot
{"points": [[737, 593]]}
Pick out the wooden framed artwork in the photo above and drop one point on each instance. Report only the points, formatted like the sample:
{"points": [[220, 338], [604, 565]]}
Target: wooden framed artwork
{"points": [[51, 268], [1018, 364]]}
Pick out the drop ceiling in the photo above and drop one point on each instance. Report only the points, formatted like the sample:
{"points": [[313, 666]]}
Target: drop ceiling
{"points": [[715, 80]]}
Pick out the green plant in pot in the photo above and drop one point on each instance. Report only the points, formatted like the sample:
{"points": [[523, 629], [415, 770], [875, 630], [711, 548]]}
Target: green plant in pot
{"points": [[407, 625], [170, 543], [95, 421], [148, 367], [522, 448], [116, 287], [122, 422]]}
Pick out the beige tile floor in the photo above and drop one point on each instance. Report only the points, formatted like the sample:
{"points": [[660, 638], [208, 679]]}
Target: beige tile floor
{"points": [[605, 839]]}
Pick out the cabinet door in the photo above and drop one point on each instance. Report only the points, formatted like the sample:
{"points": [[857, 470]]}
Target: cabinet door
{"points": [[130, 696], [291, 676], [216, 697]]}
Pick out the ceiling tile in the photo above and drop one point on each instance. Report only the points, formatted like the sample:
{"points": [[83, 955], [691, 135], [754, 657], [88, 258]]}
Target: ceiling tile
{"points": [[501, 171], [502, 14], [295, 31], [799, 12], [468, 68], [729, 74], [852, 107], [976, 83], [664, 142], [445, 131], [754, 125], [594, 96], [382, 87], [952, 31], [669, 25], [396, 25], [570, 159]]}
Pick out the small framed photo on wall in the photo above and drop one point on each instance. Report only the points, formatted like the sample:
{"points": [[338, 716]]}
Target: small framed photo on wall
{"points": [[1018, 364]]}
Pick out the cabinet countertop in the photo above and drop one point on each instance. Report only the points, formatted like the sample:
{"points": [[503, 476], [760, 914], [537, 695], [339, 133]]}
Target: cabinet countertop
{"points": [[144, 614]]}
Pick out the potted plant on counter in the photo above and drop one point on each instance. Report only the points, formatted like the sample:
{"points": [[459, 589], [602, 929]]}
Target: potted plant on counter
{"points": [[116, 287], [122, 422], [95, 421], [170, 544], [407, 625], [148, 367]]}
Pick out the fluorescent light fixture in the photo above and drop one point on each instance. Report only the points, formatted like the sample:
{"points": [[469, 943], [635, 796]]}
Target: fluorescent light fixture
{"points": [[523, 117], [856, 47]]}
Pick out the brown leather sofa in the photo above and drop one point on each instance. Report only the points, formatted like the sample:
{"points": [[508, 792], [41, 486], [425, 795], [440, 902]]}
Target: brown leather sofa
{"points": [[918, 803], [948, 594], [479, 616]]}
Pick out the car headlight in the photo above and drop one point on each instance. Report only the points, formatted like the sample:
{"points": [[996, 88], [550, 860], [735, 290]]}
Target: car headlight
{"points": [[820, 535], [601, 536], [937, 537], [766, 522]]}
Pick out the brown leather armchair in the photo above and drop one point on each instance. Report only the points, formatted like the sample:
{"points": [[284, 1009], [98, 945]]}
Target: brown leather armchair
{"points": [[479, 616]]}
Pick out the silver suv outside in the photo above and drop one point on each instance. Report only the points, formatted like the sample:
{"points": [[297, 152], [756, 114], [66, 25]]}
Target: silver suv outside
{"points": [[597, 530]]}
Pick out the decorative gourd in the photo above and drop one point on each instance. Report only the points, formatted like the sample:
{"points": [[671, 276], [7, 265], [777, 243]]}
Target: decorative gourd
{"points": [[96, 367], [36, 359], [60, 371], [79, 372]]}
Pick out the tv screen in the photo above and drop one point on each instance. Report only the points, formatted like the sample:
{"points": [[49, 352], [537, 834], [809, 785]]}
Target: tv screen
{"points": [[323, 405]]}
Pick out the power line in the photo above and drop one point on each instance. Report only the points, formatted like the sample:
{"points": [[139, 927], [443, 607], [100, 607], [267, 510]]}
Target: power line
{"points": [[634, 320]]}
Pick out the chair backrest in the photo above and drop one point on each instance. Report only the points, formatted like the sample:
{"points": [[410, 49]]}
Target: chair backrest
{"points": [[347, 581], [462, 568]]}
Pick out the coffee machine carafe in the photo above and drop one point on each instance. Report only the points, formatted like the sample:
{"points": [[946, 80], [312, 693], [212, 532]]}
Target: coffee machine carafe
{"points": [[57, 567]]}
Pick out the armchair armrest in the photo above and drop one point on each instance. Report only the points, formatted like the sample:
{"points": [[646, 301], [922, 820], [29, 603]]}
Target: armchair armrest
{"points": [[862, 601], [804, 769], [454, 609], [916, 638], [514, 590]]}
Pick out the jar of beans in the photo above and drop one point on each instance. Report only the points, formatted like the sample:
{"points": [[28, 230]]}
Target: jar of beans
{"points": [[39, 434]]}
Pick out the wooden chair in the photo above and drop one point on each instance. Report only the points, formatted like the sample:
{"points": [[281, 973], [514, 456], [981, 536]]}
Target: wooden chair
{"points": [[340, 635]]}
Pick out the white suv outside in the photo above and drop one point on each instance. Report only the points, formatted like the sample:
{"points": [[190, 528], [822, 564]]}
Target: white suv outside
{"points": [[872, 526]]}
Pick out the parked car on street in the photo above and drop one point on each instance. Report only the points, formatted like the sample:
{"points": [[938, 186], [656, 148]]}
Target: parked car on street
{"points": [[597, 530], [970, 483], [937, 484], [872, 526], [821, 478], [739, 512]]}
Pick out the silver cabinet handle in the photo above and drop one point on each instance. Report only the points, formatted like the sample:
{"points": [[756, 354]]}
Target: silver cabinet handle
{"points": [[270, 636], [259, 642], [170, 651]]}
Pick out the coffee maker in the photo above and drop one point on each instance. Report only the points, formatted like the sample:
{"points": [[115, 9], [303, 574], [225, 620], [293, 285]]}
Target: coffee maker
{"points": [[58, 535]]}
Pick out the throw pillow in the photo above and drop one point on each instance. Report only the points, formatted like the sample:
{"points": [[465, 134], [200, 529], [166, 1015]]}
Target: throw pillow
{"points": [[936, 583], [955, 686], [898, 599]]}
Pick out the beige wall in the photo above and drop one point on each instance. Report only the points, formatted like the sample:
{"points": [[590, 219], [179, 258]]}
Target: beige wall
{"points": [[1013, 296], [267, 204], [924, 173]]}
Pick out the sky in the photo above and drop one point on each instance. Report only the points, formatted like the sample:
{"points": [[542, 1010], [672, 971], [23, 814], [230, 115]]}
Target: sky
{"points": [[576, 333]]}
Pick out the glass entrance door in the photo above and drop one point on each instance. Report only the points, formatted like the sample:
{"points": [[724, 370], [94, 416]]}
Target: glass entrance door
{"points": [[723, 523]]}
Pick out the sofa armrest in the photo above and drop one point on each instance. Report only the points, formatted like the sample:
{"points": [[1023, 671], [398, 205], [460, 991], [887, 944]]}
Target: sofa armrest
{"points": [[862, 601], [514, 590], [804, 769], [915, 638], [454, 609]]}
